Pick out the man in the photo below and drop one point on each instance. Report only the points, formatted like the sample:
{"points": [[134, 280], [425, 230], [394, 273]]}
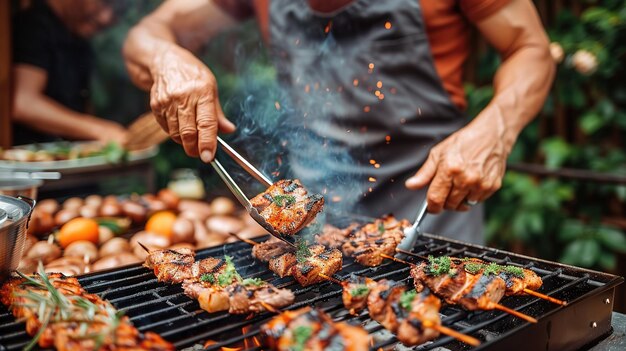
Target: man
{"points": [[52, 66], [388, 103]]}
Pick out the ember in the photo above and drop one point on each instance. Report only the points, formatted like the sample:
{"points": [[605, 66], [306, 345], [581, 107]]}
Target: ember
{"points": [[355, 82], [371, 179], [387, 25], [379, 84], [277, 105], [366, 109]]}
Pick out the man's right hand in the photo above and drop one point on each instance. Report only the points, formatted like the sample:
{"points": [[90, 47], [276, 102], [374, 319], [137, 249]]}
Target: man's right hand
{"points": [[185, 101]]}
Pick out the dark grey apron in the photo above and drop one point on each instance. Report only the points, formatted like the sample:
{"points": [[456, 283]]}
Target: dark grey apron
{"points": [[369, 106]]}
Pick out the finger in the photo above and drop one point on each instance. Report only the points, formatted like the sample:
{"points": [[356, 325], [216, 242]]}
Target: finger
{"points": [[456, 197], [206, 124], [490, 188], [424, 175], [225, 126], [157, 108], [187, 128], [438, 191], [171, 116]]}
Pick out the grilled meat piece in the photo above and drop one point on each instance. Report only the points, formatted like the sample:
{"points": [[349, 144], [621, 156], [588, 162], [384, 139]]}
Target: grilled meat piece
{"points": [[424, 307], [171, 266], [270, 249], [516, 279], [71, 314], [287, 206], [382, 304], [367, 252], [355, 291], [321, 260], [283, 264], [312, 329], [334, 237]]}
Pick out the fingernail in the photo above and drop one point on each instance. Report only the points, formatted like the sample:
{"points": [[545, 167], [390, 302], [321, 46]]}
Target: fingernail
{"points": [[206, 156], [411, 182]]}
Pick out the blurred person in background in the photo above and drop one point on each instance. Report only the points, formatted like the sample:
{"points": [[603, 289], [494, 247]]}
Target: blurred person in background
{"points": [[391, 72], [52, 67]]}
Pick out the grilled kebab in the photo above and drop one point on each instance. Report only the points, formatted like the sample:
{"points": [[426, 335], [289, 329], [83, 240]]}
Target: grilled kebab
{"points": [[366, 242], [215, 282], [305, 264], [59, 313], [312, 330], [287, 206]]}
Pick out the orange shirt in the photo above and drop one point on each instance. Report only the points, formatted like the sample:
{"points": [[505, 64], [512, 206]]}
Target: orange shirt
{"points": [[447, 27]]}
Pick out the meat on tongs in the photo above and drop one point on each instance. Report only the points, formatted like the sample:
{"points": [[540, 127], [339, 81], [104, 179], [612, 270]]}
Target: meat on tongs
{"points": [[283, 209]]}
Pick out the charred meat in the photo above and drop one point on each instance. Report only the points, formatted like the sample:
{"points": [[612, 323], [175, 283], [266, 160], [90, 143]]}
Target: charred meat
{"points": [[287, 206], [312, 329], [355, 291], [314, 260]]}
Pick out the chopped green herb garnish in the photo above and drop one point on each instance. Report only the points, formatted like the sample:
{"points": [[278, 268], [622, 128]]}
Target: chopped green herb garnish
{"points": [[473, 267], [360, 290], [381, 228], [491, 269], [252, 281], [229, 275], [207, 278], [301, 335], [284, 200], [453, 272], [514, 271], [302, 251], [406, 299], [438, 265]]}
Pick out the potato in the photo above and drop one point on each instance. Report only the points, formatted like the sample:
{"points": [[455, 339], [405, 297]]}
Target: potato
{"points": [[182, 231], [169, 197], [48, 205], [200, 209], [114, 246], [44, 252], [83, 249], [224, 224], [94, 200], [222, 206], [73, 203], [64, 216], [135, 211], [104, 234], [114, 261], [110, 209], [150, 240]]}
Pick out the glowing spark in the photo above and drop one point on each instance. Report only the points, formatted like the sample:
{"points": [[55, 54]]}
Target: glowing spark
{"points": [[403, 120], [277, 105], [381, 96], [366, 109], [372, 162], [328, 27], [371, 179], [256, 341], [377, 165], [224, 348], [275, 173], [307, 88], [388, 138], [348, 130], [371, 66], [419, 111], [369, 189], [324, 191], [379, 84], [355, 82], [336, 199], [393, 90], [377, 93], [387, 25]]}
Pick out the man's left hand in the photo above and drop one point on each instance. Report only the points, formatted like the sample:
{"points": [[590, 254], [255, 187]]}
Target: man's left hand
{"points": [[468, 166]]}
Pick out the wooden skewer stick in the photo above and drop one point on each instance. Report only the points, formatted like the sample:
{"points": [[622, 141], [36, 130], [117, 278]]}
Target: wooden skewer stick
{"points": [[527, 291], [426, 323], [247, 241], [269, 307], [144, 247], [493, 305], [545, 297]]}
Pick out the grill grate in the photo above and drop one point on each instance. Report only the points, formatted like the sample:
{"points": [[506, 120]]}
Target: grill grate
{"points": [[164, 309]]}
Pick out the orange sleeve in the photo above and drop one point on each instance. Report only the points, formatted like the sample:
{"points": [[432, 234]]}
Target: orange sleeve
{"points": [[477, 10]]}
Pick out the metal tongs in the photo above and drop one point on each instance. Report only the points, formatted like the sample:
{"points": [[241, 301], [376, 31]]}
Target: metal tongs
{"points": [[241, 197], [413, 232]]}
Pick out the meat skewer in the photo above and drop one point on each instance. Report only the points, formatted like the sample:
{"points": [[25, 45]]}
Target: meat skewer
{"points": [[473, 292], [304, 265], [312, 329], [518, 280], [215, 282], [383, 301]]}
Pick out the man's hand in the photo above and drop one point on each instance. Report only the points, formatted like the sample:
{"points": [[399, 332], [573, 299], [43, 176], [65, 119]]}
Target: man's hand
{"points": [[106, 131], [185, 101], [467, 166]]}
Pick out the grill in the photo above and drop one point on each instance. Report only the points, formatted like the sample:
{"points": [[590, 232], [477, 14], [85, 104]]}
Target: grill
{"points": [[164, 309]]}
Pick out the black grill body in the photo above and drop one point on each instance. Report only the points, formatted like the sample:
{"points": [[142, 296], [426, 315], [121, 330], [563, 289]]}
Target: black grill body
{"points": [[164, 309]]}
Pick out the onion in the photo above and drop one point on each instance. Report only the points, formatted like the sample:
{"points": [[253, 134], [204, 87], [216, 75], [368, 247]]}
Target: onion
{"points": [[182, 231], [82, 249], [114, 246], [222, 206], [44, 252], [224, 224]]}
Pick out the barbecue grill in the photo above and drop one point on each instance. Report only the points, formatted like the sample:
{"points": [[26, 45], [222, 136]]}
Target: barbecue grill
{"points": [[164, 309]]}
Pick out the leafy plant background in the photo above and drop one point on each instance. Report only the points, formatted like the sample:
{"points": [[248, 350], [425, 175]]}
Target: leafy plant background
{"points": [[582, 125]]}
